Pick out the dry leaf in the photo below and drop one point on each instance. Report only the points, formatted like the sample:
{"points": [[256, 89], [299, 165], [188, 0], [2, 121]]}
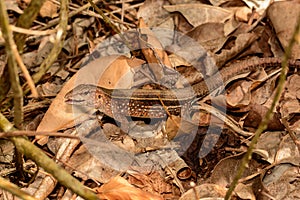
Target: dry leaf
{"points": [[119, 188], [152, 48], [154, 15], [49, 9], [13, 5], [205, 191], [284, 21], [198, 14], [153, 182]]}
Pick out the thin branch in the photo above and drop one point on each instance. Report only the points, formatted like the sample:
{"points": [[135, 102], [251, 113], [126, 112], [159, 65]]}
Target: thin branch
{"points": [[32, 32], [24, 70], [15, 190], [26, 20], [12, 66], [35, 133], [58, 44]]}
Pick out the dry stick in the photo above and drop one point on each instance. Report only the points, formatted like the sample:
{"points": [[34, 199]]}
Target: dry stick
{"points": [[12, 66], [105, 18], [26, 20], [14, 80], [24, 70], [108, 22], [58, 44], [291, 133], [34, 133], [14, 189], [32, 32], [263, 125], [71, 14]]}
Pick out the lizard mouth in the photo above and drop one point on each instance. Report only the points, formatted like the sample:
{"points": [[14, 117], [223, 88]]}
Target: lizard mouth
{"points": [[73, 101]]}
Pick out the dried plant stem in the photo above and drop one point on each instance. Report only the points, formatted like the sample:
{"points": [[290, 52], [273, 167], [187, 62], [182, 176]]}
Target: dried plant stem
{"points": [[263, 125], [291, 133], [24, 70], [35, 133], [15, 190], [71, 14], [105, 18], [12, 66], [26, 20], [32, 32], [58, 43]]}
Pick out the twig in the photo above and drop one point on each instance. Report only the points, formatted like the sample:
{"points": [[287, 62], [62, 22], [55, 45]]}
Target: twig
{"points": [[291, 133], [227, 120], [25, 21], [34, 133], [105, 18], [71, 14], [12, 66], [15, 190], [263, 125], [58, 43], [32, 32], [24, 70]]}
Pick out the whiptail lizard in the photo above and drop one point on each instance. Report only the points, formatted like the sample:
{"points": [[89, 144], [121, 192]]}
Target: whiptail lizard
{"points": [[145, 103]]}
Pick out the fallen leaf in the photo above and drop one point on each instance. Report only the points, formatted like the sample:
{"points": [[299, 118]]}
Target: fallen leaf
{"points": [[119, 188], [198, 14], [49, 9]]}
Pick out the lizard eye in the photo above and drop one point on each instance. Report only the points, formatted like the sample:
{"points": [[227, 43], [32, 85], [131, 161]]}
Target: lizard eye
{"points": [[99, 96]]}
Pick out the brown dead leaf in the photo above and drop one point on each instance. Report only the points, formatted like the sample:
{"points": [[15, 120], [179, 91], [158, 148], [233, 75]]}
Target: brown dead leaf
{"points": [[154, 15], [176, 126], [240, 96], [209, 35], [119, 188], [49, 9], [242, 42], [268, 145], [205, 191], [243, 13], [290, 104], [284, 22], [225, 171], [282, 182], [257, 113], [154, 182], [13, 5], [198, 14], [153, 50], [85, 165]]}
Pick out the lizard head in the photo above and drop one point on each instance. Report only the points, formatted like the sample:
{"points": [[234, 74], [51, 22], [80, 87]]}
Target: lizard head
{"points": [[85, 95]]}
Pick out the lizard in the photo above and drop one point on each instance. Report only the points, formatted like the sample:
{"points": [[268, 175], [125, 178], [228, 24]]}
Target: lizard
{"points": [[147, 103]]}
